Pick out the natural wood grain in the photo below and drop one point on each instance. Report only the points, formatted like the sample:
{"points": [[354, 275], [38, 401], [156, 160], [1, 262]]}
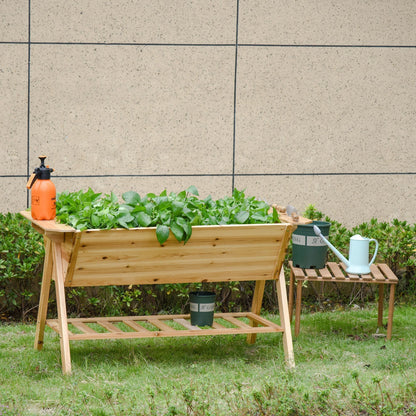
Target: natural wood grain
{"points": [[44, 294], [163, 329]]}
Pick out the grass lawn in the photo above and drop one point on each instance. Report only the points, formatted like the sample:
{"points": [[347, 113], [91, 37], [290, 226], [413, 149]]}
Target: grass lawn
{"points": [[341, 369]]}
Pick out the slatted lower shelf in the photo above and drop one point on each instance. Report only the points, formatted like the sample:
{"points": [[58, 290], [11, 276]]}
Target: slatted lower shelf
{"points": [[163, 326]]}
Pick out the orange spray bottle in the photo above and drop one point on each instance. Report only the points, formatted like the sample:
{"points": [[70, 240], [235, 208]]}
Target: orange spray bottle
{"points": [[43, 195]]}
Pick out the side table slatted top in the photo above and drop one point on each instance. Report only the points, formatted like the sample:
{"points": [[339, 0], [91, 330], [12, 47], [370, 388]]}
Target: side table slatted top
{"points": [[380, 274]]}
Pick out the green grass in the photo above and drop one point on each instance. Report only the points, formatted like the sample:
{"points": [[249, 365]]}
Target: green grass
{"points": [[341, 369]]}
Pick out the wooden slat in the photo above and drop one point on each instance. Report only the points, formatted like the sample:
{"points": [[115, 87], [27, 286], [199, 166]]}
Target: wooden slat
{"points": [[335, 269], [159, 324], [83, 327], [109, 326], [202, 232], [134, 325], [377, 274], [49, 225], [349, 275], [217, 325], [367, 277], [392, 278], [106, 279], [53, 323], [236, 322], [297, 272], [311, 273], [325, 273], [290, 220], [354, 277], [174, 333], [263, 321], [146, 250], [186, 324], [124, 318], [179, 263]]}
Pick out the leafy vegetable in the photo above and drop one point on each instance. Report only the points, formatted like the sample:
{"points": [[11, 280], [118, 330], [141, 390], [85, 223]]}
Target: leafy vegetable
{"points": [[172, 212]]}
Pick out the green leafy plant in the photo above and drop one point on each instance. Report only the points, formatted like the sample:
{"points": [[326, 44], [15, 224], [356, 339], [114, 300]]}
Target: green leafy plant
{"points": [[88, 209], [173, 212]]}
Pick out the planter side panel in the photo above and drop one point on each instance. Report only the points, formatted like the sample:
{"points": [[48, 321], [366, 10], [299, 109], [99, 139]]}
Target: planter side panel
{"points": [[214, 253]]}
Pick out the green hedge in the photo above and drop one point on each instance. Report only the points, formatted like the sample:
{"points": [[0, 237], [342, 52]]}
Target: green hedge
{"points": [[22, 253], [21, 262]]}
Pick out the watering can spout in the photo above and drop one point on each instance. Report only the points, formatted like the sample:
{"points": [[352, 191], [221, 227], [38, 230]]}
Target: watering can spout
{"points": [[336, 252]]}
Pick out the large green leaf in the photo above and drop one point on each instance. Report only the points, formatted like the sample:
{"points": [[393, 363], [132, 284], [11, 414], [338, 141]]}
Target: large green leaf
{"points": [[177, 207], [242, 217], [143, 219], [131, 198], [186, 226], [192, 190], [177, 231], [162, 233]]}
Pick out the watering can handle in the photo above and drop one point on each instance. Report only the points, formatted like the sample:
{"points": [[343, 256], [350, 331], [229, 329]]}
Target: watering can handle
{"points": [[375, 252]]}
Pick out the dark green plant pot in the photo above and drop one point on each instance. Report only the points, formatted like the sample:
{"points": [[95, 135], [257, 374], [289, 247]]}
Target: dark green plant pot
{"points": [[308, 250], [202, 308]]}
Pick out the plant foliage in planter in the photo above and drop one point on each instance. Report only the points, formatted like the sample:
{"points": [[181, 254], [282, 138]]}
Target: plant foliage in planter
{"points": [[173, 212]]}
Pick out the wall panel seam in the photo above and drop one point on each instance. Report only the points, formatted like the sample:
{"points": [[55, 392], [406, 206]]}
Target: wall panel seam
{"points": [[28, 100], [235, 95], [243, 45], [184, 175]]}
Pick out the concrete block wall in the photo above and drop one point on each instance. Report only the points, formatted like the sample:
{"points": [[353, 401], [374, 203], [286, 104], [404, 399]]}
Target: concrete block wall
{"points": [[297, 102]]}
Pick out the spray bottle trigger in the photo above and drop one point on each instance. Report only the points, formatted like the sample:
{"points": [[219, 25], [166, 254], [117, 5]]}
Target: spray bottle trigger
{"points": [[31, 180]]}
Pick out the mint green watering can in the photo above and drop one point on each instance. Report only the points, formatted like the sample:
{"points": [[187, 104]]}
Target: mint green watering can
{"points": [[359, 252]]}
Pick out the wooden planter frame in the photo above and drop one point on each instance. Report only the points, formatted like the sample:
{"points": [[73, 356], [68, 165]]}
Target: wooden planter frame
{"points": [[135, 257]]}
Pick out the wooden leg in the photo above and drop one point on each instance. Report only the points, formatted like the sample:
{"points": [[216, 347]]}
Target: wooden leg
{"points": [[298, 306], [391, 310], [284, 320], [380, 304], [291, 293], [44, 295], [256, 306], [61, 306]]}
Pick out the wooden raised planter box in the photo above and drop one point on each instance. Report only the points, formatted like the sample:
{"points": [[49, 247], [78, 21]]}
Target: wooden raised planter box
{"points": [[135, 257]]}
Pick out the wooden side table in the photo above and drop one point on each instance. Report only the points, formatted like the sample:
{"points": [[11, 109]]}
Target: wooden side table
{"points": [[380, 274]]}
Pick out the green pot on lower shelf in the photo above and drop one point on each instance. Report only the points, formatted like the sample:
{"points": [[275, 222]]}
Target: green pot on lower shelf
{"points": [[202, 308]]}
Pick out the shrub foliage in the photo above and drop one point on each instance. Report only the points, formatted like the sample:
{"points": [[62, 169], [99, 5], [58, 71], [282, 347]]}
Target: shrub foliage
{"points": [[21, 263]]}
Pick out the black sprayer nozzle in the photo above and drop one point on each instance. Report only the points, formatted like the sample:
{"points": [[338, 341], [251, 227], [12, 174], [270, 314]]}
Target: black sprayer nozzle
{"points": [[42, 172], [42, 161]]}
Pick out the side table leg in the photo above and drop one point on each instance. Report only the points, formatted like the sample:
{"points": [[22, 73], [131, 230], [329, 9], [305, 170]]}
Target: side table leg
{"points": [[391, 310], [291, 294], [61, 306], [380, 304], [285, 321], [256, 306], [298, 306], [44, 295]]}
